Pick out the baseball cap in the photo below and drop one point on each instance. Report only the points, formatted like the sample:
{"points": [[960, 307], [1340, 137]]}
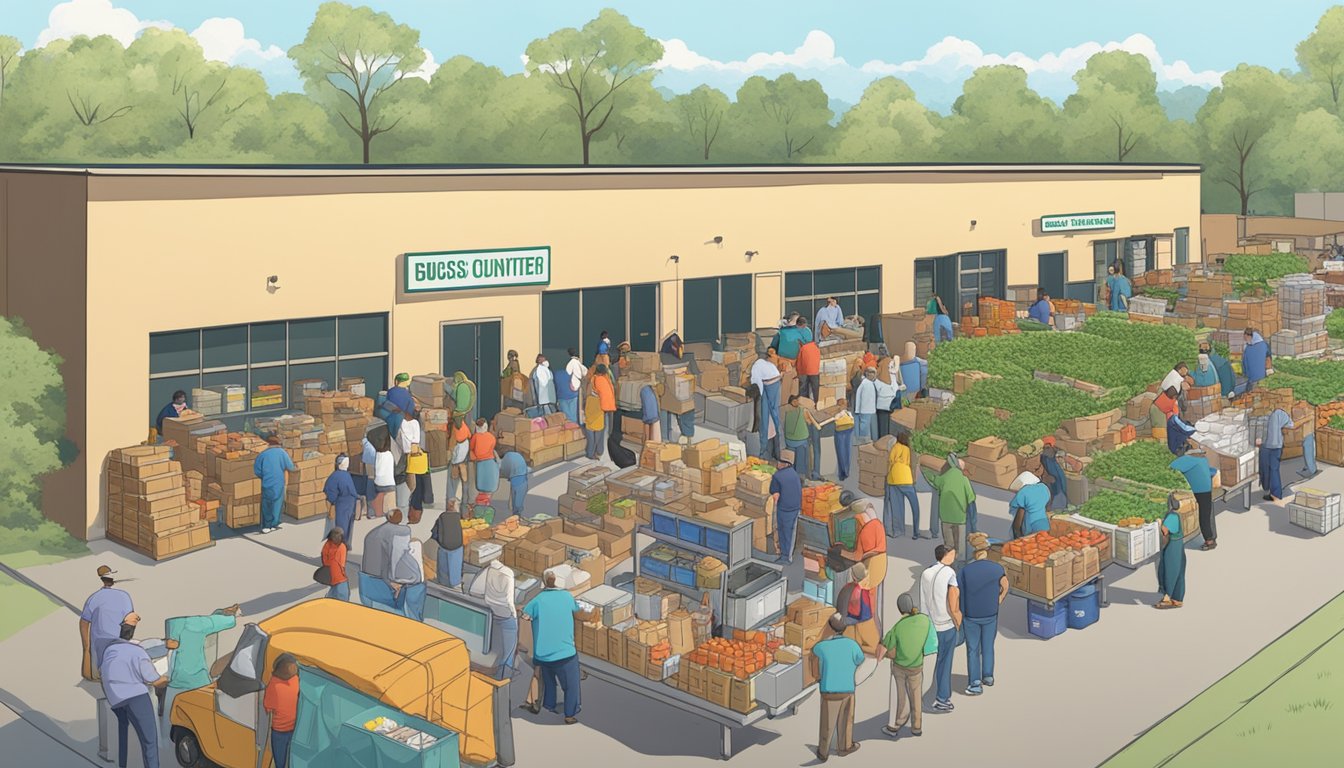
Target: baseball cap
{"points": [[403, 377], [104, 571]]}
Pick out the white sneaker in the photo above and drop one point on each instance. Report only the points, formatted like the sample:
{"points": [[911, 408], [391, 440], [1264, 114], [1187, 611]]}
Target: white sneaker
{"points": [[267, 530]]}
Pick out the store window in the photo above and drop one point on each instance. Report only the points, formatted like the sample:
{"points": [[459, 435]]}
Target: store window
{"points": [[573, 319], [960, 279], [858, 291], [252, 368], [1183, 245], [714, 306]]}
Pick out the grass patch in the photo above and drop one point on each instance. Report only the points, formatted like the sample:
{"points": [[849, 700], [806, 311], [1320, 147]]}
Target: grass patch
{"points": [[23, 605]]}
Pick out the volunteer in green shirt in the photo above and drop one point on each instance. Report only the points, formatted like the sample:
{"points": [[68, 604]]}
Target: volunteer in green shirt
{"points": [[907, 643], [835, 661], [797, 437], [186, 636], [955, 497]]}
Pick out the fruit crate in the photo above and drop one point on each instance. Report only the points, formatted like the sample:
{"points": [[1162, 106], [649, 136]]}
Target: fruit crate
{"points": [[1130, 547], [1319, 520]]}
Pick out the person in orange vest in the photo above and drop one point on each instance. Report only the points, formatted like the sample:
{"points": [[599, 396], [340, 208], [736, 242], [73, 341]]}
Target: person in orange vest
{"points": [[808, 366], [606, 395]]}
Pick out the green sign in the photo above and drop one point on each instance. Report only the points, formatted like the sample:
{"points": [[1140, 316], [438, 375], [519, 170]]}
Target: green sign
{"points": [[476, 270], [1077, 222]]}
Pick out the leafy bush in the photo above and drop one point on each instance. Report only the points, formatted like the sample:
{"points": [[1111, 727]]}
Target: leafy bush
{"points": [[1169, 295], [1251, 272], [1334, 324], [1316, 381], [1114, 506], [32, 425], [1146, 461]]}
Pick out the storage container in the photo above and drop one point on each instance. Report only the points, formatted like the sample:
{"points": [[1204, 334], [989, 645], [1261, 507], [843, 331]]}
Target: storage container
{"points": [[690, 532], [657, 568], [1319, 520], [683, 572], [821, 591], [665, 523], [1084, 607], [616, 605], [1044, 622], [716, 540], [779, 683]]}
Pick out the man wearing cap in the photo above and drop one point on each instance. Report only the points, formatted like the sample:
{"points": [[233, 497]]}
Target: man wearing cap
{"points": [[1029, 505], [128, 674], [100, 621], [984, 585], [835, 664], [1050, 463], [787, 489], [272, 467], [399, 404]]}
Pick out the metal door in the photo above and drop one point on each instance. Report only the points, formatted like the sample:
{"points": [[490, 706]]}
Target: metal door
{"points": [[1051, 273], [473, 348]]}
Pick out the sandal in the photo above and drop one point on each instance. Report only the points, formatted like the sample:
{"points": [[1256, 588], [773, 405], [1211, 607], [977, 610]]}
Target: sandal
{"points": [[1163, 603]]}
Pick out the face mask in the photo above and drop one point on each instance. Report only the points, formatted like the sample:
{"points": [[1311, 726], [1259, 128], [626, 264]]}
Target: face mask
{"points": [[127, 631]]}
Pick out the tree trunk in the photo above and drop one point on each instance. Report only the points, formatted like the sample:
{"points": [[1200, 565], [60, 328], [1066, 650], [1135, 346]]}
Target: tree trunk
{"points": [[364, 136], [1242, 191]]}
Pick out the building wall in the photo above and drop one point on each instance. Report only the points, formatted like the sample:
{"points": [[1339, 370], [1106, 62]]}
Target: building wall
{"points": [[42, 252], [186, 253]]}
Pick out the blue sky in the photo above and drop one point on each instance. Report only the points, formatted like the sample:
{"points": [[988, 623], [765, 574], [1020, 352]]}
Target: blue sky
{"points": [[933, 45]]}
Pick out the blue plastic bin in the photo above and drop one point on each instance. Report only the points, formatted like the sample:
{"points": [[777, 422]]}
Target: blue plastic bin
{"points": [[683, 572], [1084, 607], [664, 523], [716, 540], [688, 531], [655, 567], [1046, 623]]}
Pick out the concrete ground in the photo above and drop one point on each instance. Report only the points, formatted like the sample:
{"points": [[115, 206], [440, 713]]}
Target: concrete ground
{"points": [[1070, 701]]}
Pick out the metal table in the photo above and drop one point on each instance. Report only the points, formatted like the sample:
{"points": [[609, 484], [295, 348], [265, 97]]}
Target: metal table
{"points": [[1244, 488], [1099, 580], [726, 719]]}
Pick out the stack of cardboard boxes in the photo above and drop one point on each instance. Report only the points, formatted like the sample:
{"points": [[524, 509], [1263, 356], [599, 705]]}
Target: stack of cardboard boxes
{"points": [[303, 493], [1260, 314], [1203, 298], [147, 504], [231, 481], [678, 390], [753, 493], [1087, 435], [872, 459], [430, 390], [741, 346], [1302, 301], [989, 462], [543, 440]]}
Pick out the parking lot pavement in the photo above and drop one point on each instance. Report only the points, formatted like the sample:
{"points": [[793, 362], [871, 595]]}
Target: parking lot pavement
{"points": [[1069, 701]]}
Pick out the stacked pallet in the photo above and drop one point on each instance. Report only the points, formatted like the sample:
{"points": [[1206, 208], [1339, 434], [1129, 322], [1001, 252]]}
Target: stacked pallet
{"points": [[147, 504], [744, 345], [1204, 296], [541, 441], [1302, 302]]}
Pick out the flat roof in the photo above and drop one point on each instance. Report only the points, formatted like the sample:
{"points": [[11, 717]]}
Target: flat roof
{"points": [[366, 171]]}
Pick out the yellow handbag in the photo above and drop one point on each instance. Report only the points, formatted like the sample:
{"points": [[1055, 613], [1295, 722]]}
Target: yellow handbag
{"points": [[417, 463]]}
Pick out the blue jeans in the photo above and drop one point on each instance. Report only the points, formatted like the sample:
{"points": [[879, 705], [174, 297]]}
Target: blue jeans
{"points": [[942, 668], [844, 444], [685, 424], [375, 593], [594, 448], [1309, 453], [1270, 458], [980, 648], [801, 449], [508, 647], [865, 425], [517, 493], [893, 509], [814, 437], [280, 747], [411, 601], [270, 509], [570, 407], [138, 713], [449, 567], [787, 523], [770, 410], [566, 672], [340, 591], [972, 519], [942, 326]]}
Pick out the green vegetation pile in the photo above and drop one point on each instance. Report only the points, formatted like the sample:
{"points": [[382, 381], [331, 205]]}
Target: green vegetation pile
{"points": [[1114, 506], [1252, 273], [1145, 461], [1316, 381], [1334, 324]]}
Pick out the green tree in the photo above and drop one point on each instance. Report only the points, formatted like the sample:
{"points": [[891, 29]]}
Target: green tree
{"points": [[1238, 114], [702, 112], [32, 428], [888, 125], [1321, 55], [1115, 110], [202, 95], [291, 128], [645, 130], [999, 118], [9, 55], [351, 58], [590, 66], [1308, 152], [780, 120]]}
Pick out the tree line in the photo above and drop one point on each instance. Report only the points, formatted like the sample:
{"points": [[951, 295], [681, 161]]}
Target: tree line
{"points": [[588, 96]]}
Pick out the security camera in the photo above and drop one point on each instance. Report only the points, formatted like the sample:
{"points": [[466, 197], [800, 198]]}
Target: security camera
{"points": [[273, 279], [973, 223], [272, 283], [715, 240], [751, 254], [674, 259]]}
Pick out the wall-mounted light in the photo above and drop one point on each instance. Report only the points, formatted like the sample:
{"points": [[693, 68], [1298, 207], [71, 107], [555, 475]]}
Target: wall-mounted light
{"points": [[675, 259], [273, 283], [752, 254], [715, 240], [973, 223]]}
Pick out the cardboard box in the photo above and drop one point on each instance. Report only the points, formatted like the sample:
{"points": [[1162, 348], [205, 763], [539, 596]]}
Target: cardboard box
{"points": [[808, 613], [718, 687], [998, 473], [679, 631], [742, 695], [987, 449], [163, 502], [153, 485], [615, 647], [803, 637]]}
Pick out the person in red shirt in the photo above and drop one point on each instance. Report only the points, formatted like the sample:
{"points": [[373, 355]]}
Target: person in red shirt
{"points": [[1167, 403], [808, 365], [333, 557], [281, 702]]}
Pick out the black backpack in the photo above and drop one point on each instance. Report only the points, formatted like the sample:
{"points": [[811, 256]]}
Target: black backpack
{"points": [[621, 456]]}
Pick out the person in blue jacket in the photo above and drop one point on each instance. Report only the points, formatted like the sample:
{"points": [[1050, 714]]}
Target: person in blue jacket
{"points": [[1199, 474], [172, 410], [1029, 505], [342, 497], [1226, 378], [1120, 288], [1255, 360], [272, 466], [1042, 310], [399, 403]]}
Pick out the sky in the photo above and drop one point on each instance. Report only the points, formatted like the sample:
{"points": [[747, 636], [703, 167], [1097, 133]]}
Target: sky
{"points": [[845, 44]]}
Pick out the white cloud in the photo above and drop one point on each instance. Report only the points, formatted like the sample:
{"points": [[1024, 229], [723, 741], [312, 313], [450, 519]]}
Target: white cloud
{"points": [[427, 69], [223, 39], [937, 75], [94, 18]]}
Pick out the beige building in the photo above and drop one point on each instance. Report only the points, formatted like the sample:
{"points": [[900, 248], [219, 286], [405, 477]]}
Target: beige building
{"points": [[149, 280]]}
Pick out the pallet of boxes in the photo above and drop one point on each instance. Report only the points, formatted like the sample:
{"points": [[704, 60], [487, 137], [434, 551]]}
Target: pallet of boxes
{"points": [[1303, 310], [344, 417], [543, 440], [230, 480], [147, 504]]}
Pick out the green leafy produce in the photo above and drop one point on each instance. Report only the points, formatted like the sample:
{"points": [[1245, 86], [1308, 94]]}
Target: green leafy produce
{"points": [[1169, 295], [1334, 324], [1032, 325], [1316, 381], [1336, 422], [1114, 506], [1251, 272], [1146, 461]]}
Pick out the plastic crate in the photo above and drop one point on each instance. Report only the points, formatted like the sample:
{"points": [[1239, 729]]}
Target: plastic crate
{"points": [[665, 523], [1130, 547], [717, 540], [656, 568], [1044, 622], [683, 572], [690, 532], [1319, 520], [1084, 607]]}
